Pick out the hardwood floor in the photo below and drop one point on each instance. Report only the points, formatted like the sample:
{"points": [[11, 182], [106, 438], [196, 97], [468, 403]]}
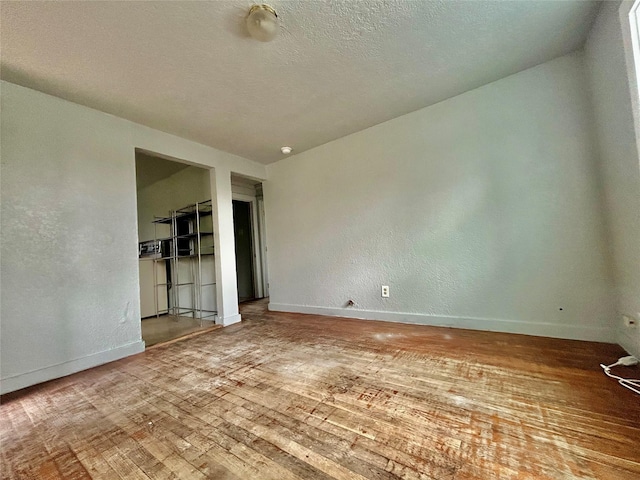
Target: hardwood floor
{"points": [[283, 396]]}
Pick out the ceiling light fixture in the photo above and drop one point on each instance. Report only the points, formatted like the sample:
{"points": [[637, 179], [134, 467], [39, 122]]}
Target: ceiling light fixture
{"points": [[286, 150], [262, 23]]}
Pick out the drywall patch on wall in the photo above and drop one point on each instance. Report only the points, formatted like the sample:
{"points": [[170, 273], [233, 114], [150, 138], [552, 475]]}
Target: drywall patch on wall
{"points": [[485, 205], [619, 165]]}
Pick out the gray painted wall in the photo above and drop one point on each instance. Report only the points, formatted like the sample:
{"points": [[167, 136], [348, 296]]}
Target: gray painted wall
{"points": [[620, 172], [482, 211], [69, 246], [69, 263]]}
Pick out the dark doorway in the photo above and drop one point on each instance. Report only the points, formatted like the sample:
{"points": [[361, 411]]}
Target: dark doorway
{"points": [[244, 250]]}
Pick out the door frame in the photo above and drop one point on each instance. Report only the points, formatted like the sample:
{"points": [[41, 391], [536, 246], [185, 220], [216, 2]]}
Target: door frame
{"points": [[263, 246]]}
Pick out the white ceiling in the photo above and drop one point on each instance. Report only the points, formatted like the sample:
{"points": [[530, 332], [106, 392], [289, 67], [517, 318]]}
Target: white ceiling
{"points": [[338, 66]]}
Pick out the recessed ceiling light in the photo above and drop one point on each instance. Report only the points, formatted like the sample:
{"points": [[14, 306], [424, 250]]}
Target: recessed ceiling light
{"points": [[286, 150]]}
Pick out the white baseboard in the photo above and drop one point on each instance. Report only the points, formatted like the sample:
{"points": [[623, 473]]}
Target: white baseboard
{"points": [[554, 330], [230, 320], [16, 382], [631, 345]]}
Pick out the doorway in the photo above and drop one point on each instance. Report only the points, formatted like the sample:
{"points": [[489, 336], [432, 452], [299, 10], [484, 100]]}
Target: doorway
{"points": [[243, 232], [176, 253]]}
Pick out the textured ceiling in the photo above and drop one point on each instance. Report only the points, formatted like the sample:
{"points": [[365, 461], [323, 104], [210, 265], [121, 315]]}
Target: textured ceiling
{"points": [[337, 67]]}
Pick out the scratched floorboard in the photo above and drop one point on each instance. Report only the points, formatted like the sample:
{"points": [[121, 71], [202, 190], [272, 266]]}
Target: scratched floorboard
{"points": [[285, 396]]}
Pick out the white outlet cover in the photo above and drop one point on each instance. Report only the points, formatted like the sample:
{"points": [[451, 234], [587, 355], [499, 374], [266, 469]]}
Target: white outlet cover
{"points": [[385, 291]]}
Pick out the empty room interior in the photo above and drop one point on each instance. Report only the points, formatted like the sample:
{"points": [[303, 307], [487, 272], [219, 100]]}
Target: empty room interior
{"points": [[320, 239]]}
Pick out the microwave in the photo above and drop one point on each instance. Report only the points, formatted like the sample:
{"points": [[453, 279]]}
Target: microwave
{"points": [[155, 249], [150, 248]]}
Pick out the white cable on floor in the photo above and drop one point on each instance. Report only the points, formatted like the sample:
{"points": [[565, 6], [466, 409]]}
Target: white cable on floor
{"points": [[631, 384]]}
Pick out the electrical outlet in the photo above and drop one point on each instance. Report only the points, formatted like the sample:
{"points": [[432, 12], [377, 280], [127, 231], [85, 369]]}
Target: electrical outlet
{"points": [[628, 321], [385, 291]]}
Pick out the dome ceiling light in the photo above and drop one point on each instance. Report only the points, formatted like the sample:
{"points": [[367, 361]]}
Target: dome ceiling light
{"points": [[262, 23]]}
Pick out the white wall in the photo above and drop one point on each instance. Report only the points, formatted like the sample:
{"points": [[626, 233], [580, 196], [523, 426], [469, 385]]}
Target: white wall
{"points": [[69, 266], [482, 211], [181, 189], [605, 59]]}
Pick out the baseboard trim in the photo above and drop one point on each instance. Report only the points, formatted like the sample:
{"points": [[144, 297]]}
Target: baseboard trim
{"points": [[571, 332], [629, 344], [230, 320], [23, 380]]}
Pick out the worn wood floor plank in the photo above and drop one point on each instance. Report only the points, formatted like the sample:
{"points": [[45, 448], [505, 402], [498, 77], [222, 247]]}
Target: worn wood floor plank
{"points": [[286, 396]]}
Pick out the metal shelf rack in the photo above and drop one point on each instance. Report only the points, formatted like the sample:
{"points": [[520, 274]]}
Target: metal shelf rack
{"points": [[190, 255]]}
